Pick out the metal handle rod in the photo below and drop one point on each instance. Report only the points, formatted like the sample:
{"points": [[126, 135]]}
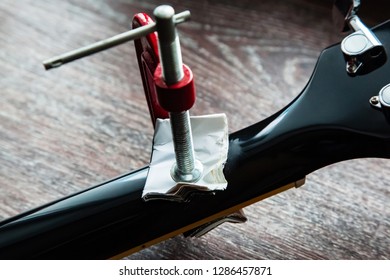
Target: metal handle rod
{"points": [[168, 44], [109, 42]]}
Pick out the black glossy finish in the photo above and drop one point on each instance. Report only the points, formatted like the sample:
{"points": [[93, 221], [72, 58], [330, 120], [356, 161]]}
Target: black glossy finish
{"points": [[330, 121]]}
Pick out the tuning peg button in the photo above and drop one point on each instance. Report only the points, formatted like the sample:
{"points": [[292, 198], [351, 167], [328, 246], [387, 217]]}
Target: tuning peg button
{"points": [[362, 50], [382, 101]]}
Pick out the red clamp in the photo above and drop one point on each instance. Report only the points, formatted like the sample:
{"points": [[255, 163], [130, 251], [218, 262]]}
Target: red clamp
{"points": [[161, 98], [148, 60]]}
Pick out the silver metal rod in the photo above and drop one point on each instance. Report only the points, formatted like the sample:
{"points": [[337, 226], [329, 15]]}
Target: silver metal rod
{"points": [[183, 143], [186, 167], [169, 45], [109, 43]]}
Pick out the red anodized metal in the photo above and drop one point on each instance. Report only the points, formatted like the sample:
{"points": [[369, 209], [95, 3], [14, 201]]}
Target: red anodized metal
{"points": [[178, 97], [148, 59], [160, 97]]}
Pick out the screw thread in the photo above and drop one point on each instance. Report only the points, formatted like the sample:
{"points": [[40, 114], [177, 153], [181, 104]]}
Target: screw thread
{"points": [[183, 143]]}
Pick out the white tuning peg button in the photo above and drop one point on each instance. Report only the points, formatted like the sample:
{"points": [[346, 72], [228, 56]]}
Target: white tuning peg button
{"points": [[382, 101]]}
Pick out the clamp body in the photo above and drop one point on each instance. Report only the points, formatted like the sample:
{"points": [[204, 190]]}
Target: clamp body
{"points": [[168, 84]]}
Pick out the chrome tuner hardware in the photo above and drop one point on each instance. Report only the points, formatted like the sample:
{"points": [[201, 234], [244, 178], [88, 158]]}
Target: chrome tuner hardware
{"points": [[382, 101], [362, 50]]}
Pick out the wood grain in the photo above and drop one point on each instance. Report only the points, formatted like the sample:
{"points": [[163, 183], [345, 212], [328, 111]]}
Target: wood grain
{"points": [[70, 128]]}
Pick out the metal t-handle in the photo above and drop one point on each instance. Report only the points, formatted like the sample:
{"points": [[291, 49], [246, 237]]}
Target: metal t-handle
{"points": [[109, 42]]}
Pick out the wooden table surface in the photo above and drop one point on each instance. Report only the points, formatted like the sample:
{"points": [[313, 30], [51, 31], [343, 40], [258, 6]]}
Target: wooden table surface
{"points": [[64, 130]]}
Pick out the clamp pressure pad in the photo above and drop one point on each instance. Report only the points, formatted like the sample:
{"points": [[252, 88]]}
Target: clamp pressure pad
{"points": [[210, 135]]}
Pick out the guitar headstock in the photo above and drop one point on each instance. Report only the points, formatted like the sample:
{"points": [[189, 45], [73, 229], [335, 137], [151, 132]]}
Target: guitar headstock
{"points": [[346, 99], [335, 118]]}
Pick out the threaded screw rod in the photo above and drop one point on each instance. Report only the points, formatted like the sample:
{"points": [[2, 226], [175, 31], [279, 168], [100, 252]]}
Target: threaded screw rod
{"points": [[186, 168]]}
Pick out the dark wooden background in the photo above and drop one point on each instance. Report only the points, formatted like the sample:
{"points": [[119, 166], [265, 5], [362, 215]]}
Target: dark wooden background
{"points": [[70, 128]]}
